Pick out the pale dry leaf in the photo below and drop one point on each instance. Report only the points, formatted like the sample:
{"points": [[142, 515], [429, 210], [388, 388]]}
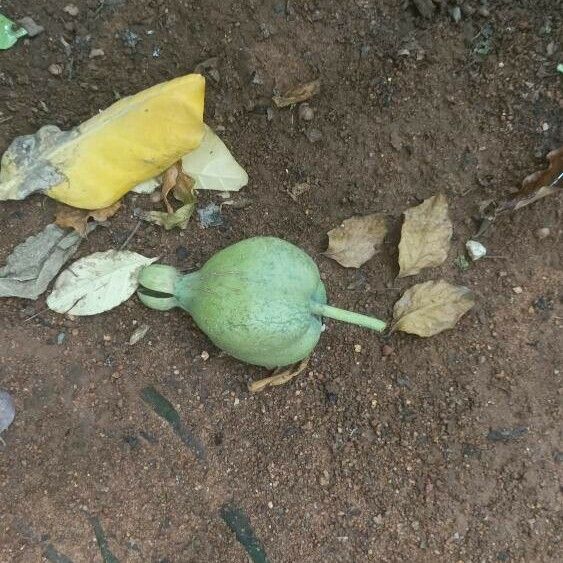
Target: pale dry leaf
{"points": [[169, 180], [71, 218], [138, 334], [97, 283], [35, 262], [428, 308], [356, 240], [212, 166], [539, 184], [425, 236], [298, 94], [279, 378]]}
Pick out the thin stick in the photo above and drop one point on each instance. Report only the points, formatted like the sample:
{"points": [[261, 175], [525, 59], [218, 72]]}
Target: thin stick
{"points": [[36, 314], [131, 235]]}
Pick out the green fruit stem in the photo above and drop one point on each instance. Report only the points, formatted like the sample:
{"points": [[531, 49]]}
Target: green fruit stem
{"points": [[347, 316]]}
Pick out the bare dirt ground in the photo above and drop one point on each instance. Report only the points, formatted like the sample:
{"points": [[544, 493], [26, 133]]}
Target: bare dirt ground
{"points": [[364, 457]]}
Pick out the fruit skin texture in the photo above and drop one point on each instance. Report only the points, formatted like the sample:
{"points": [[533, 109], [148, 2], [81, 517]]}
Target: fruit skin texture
{"points": [[253, 300]]}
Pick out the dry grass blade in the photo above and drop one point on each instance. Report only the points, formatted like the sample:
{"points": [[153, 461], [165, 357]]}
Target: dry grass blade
{"points": [[356, 240], [71, 218], [298, 94], [425, 236], [539, 184], [279, 378]]}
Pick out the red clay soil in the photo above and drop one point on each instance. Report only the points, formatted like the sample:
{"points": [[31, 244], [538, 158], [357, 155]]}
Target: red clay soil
{"points": [[449, 448]]}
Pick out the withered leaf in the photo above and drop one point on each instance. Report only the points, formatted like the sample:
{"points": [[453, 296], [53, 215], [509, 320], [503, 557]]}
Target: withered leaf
{"points": [[428, 308], [356, 240], [298, 94], [539, 184], [182, 186], [71, 218], [425, 236], [279, 378]]}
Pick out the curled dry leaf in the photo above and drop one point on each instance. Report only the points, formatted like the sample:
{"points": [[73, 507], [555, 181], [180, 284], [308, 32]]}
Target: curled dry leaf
{"points": [[298, 94], [77, 219], [428, 308], [425, 236], [182, 186], [539, 184], [279, 378], [356, 240]]}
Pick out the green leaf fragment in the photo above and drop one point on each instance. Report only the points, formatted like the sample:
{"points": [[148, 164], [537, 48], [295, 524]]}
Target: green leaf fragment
{"points": [[10, 32], [164, 408], [239, 523], [51, 554], [107, 555], [462, 263]]}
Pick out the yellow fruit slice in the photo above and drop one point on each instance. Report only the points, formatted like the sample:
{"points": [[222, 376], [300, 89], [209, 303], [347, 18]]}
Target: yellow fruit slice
{"points": [[95, 164]]}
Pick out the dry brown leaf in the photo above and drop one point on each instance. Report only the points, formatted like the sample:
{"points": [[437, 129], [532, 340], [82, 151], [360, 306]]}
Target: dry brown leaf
{"points": [[356, 240], [428, 308], [182, 186], [279, 378], [298, 94], [169, 179], [425, 236], [539, 184], [71, 218]]}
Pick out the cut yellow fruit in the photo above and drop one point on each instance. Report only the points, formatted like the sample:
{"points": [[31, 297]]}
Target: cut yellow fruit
{"points": [[95, 164]]}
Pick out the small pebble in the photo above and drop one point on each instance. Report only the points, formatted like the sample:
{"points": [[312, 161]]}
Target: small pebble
{"points": [[71, 10], [205, 355], [236, 401], [455, 12], [518, 290], [55, 69], [270, 504], [484, 11], [7, 410], [306, 112], [387, 350], [542, 233], [31, 27], [94, 53], [107, 338], [475, 250], [61, 337], [357, 348], [314, 135], [324, 479]]}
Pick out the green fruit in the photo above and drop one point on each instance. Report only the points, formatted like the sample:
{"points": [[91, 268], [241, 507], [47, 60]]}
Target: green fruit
{"points": [[261, 300]]}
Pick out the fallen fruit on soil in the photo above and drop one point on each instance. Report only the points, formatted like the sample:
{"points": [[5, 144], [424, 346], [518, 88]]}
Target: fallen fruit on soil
{"points": [[96, 163], [261, 300]]}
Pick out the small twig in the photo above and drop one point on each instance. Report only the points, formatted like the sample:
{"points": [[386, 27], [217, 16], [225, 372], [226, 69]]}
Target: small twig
{"points": [[36, 314], [278, 378], [131, 235]]}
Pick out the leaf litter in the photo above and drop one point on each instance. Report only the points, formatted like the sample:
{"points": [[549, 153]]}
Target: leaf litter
{"points": [[174, 180], [431, 307], [425, 236], [97, 283], [300, 93], [34, 263], [539, 184], [77, 219], [356, 240]]}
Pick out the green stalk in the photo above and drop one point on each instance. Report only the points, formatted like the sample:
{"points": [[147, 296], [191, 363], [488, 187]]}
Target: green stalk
{"points": [[347, 316]]}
